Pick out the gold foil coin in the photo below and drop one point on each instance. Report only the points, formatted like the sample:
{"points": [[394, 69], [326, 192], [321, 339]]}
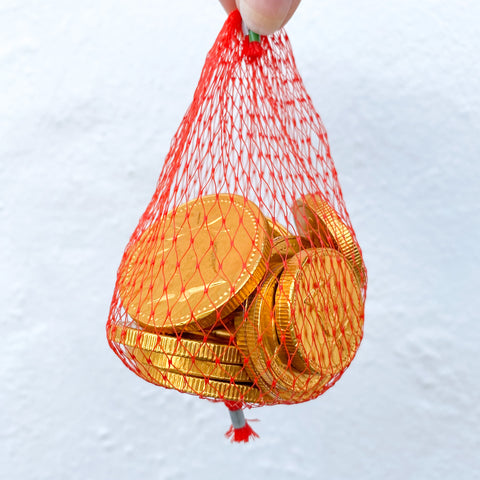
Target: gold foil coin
{"points": [[203, 387], [319, 311], [268, 362], [286, 381], [191, 366], [171, 345], [250, 338], [277, 229], [200, 261], [285, 247], [316, 218], [220, 334]]}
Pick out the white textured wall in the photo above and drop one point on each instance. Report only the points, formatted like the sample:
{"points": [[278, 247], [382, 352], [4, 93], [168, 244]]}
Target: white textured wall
{"points": [[91, 93]]}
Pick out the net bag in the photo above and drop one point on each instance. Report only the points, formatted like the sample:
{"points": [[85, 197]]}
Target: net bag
{"points": [[243, 281]]}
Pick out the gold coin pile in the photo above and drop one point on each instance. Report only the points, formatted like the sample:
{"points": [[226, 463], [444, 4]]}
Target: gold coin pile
{"points": [[226, 303]]}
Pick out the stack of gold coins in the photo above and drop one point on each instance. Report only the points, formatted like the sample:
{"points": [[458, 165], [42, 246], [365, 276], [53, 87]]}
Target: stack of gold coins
{"points": [[203, 367], [226, 303], [181, 282], [303, 328]]}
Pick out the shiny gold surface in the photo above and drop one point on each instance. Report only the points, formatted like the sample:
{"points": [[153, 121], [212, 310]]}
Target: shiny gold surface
{"points": [[250, 339], [191, 366], [316, 217], [277, 230], [285, 247], [171, 345], [287, 382], [219, 334], [222, 332], [237, 308], [319, 311], [206, 256], [269, 363], [201, 386]]}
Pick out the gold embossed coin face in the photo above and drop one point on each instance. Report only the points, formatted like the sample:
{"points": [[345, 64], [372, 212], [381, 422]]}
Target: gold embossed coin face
{"points": [[316, 218], [319, 311], [207, 255]]}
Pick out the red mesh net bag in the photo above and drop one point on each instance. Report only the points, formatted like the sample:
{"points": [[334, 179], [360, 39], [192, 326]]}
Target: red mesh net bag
{"points": [[243, 281]]}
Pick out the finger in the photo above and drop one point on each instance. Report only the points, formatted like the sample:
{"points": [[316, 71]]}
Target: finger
{"points": [[228, 5], [295, 4], [266, 16]]}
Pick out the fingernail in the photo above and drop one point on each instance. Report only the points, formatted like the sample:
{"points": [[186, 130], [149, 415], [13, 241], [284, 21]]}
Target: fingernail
{"points": [[264, 16]]}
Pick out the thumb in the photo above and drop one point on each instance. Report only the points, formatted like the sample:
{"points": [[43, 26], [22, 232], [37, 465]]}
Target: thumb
{"points": [[265, 16]]}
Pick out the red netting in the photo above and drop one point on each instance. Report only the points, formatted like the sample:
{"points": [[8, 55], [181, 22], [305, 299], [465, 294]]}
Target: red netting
{"points": [[243, 281]]}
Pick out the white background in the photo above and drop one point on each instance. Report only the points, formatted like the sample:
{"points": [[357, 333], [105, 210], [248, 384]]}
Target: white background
{"points": [[91, 93]]}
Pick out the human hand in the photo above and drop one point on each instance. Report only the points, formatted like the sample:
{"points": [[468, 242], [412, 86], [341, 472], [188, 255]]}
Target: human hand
{"points": [[263, 16]]}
